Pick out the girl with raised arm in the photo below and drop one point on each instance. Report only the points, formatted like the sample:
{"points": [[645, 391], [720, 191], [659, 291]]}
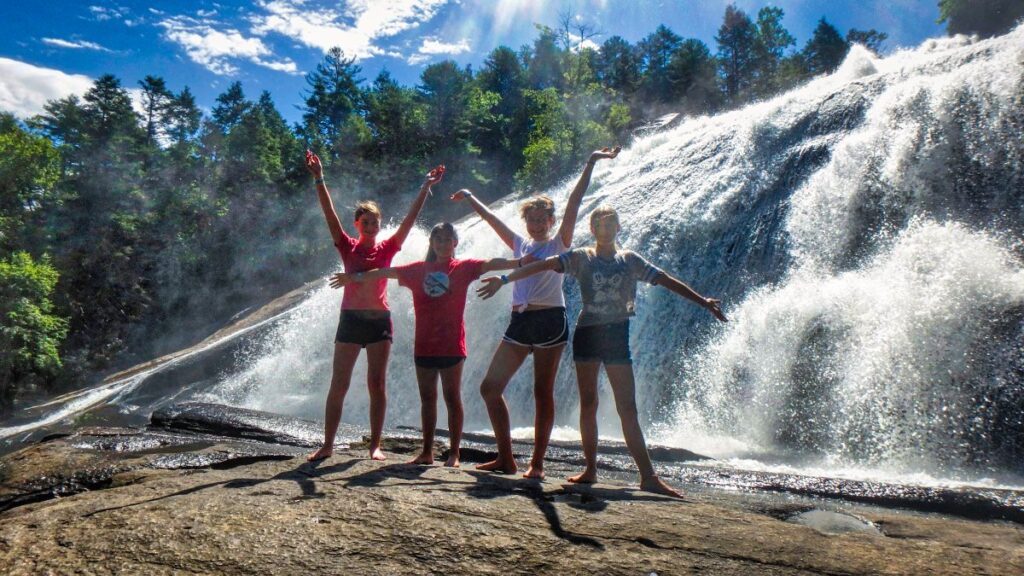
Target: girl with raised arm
{"points": [[538, 324], [365, 318], [607, 278], [439, 285]]}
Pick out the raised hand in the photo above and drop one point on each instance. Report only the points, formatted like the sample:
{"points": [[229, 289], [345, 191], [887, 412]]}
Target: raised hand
{"points": [[340, 279], [435, 175], [461, 195], [714, 306], [490, 287], [605, 153], [313, 164]]}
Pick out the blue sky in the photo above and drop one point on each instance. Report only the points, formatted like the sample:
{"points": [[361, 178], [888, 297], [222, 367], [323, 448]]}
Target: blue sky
{"points": [[59, 47]]}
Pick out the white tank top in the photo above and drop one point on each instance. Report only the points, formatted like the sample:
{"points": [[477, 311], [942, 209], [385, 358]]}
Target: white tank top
{"points": [[545, 288]]}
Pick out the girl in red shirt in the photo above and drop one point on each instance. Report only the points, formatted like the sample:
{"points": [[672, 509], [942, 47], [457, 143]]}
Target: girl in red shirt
{"points": [[439, 285], [365, 318]]}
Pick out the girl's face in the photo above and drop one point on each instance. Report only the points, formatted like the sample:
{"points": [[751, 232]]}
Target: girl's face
{"points": [[605, 229], [539, 223], [368, 225], [443, 245]]}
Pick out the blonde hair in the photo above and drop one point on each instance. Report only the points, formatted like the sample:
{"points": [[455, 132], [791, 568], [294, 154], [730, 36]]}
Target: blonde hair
{"points": [[542, 203], [367, 207]]}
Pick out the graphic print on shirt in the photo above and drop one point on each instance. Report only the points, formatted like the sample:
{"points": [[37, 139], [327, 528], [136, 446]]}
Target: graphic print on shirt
{"points": [[607, 288], [436, 284]]}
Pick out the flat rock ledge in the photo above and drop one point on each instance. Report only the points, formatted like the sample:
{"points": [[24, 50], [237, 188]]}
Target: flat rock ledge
{"points": [[247, 511]]}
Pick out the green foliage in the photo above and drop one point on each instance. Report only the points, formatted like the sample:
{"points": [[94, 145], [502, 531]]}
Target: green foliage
{"points": [[986, 18], [737, 52], [29, 169], [825, 50], [30, 331]]}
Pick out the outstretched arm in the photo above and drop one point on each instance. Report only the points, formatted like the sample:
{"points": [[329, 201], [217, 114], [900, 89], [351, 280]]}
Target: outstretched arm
{"points": [[711, 304], [492, 284], [317, 170], [499, 264], [343, 278], [504, 232], [572, 208], [433, 177]]}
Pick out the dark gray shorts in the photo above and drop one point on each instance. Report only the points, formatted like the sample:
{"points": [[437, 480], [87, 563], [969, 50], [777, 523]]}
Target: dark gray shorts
{"points": [[608, 343], [363, 327], [544, 328]]}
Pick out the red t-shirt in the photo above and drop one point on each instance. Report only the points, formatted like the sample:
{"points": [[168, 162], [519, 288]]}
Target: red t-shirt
{"points": [[366, 295], [439, 299]]}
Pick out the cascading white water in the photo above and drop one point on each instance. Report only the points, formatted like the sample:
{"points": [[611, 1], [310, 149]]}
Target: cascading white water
{"points": [[864, 231]]}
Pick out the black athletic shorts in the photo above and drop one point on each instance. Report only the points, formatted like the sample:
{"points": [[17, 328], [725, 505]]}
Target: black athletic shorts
{"points": [[544, 328], [363, 327], [437, 362], [608, 343]]}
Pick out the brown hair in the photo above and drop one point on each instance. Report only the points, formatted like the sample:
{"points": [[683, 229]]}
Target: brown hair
{"points": [[367, 207], [542, 203], [436, 230], [603, 211]]}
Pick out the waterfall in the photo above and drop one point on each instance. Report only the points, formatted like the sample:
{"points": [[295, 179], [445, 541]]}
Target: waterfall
{"points": [[864, 232]]}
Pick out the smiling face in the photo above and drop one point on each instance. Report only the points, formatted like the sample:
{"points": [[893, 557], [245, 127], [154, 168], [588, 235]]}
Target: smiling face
{"points": [[539, 223], [443, 244], [368, 225], [604, 225]]}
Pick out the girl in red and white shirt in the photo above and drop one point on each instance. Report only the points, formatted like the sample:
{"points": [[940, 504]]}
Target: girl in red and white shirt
{"points": [[439, 285]]}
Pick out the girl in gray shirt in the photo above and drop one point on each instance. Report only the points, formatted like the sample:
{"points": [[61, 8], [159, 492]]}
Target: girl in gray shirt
{"points": [[607, 278]]}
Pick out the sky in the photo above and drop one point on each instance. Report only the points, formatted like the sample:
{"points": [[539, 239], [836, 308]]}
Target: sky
{"points": [[60, 47]]}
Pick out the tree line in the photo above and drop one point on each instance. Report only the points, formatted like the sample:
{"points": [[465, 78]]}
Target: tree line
{"points": [[125, 234]]}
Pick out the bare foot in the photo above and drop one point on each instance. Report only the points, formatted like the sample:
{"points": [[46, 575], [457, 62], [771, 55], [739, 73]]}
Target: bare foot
{"points": [[424, 458], [534, 472], [658, 486], [499, 466], [453, 460], [588, 476], [377, 454], [323, 452]]}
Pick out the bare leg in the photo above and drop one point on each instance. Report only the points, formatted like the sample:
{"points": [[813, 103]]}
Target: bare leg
{"points": [[507, 359], [345, 355], [451, 387], [624, 389], [586, 378], [427, 379], [376, 377], [545, 369]]}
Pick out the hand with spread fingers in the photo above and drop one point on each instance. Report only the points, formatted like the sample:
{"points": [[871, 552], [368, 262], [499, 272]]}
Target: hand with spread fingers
{"points": [[490, 286]]}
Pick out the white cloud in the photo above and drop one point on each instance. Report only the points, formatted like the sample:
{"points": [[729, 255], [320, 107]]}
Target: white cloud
{"points": [[103, 13], [25, 88], [432, 46], [355, 30], [82, 44], [435, 46], [214, 49]]}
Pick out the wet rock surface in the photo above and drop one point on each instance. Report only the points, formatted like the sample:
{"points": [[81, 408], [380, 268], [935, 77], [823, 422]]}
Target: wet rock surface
{"points": [[162, 502]]}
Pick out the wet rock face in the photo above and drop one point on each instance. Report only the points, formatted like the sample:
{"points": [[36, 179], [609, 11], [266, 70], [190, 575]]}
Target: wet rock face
{"points": [[243, 507]]}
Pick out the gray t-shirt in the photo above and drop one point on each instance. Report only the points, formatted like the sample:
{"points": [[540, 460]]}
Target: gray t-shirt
{"points": [[607, 285]]}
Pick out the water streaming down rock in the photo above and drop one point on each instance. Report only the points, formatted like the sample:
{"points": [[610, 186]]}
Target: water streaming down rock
{"points": [[865, 233]]}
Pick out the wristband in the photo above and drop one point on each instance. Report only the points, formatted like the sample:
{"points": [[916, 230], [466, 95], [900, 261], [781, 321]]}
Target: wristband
{"points": [[318, 180], [467, 194], [504, 279]]}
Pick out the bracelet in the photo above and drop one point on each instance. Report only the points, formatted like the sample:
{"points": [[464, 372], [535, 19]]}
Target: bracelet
{"points": [[467, 194], [504, 279], [318, 181]]}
